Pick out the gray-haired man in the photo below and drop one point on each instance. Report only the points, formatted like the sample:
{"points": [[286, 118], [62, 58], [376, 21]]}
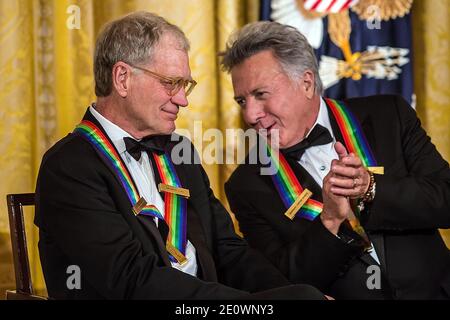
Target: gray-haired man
{"points": [[111, 201], [337, 150]]}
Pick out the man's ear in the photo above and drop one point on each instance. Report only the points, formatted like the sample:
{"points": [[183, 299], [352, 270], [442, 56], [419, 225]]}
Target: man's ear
{"points": [[121, 74], [308, 84]]}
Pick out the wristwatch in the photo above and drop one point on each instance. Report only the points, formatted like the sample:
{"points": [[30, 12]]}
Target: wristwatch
{"points": [[370, 193]]}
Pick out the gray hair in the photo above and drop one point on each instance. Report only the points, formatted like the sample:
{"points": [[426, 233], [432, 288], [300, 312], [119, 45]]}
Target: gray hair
{"points": [[130, 39], [289, 46]]}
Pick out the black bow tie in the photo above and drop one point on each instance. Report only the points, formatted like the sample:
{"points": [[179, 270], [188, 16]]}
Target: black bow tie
{"points": [[318, 136], [152, 144]]}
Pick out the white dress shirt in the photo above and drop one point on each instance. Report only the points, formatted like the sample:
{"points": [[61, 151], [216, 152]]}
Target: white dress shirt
{"points": [[317, 159], [142, 173]]}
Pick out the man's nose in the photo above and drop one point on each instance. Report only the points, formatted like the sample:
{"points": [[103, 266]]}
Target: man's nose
{"points": [[253, 112], [180, 98]]}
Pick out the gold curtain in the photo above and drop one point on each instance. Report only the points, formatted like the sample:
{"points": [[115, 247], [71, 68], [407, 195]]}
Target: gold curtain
{"points": [[431, 48], [46, 65]]}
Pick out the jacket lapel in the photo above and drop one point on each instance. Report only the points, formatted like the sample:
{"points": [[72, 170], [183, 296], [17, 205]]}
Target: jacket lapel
{"points": [[196, 235], [150, 226], [378, 243]]}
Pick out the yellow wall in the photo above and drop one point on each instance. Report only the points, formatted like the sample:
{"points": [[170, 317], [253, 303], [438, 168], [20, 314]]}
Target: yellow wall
{"points": [[431, 49]]}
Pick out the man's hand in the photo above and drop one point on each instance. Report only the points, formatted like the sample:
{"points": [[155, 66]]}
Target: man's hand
{"points": [[335, 208], [349, 177]]}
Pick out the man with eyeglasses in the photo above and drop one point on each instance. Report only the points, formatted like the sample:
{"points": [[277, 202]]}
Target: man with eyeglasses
{"points": [[111, 200]]}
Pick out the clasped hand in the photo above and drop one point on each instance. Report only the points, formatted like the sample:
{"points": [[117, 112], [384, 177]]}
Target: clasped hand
{"points": [[347, 179]]}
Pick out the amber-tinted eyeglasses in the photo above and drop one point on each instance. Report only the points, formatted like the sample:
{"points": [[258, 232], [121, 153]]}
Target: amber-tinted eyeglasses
{"points": [[173, 85]]}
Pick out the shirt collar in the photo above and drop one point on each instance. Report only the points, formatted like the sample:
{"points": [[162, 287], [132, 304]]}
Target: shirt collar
{"points": [[114, 132], [323, 118]]}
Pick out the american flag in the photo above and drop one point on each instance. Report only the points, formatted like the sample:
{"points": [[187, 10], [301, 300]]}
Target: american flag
{"points": [[328, 6], [376, 59]]}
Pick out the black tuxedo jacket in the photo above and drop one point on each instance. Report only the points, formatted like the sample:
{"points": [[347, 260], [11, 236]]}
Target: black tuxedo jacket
{"points": [[412, 201], [85, 219]]}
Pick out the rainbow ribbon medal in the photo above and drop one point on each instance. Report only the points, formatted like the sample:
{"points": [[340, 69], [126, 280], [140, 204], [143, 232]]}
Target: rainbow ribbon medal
{"points": [[175, 206], [174, 209], [355, 142], [354, 138], [296, 199], [97, 138]]}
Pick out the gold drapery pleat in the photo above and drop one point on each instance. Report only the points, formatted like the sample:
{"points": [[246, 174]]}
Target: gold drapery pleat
{"points": [[17, 125], [47, 82], [431, 26]]}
